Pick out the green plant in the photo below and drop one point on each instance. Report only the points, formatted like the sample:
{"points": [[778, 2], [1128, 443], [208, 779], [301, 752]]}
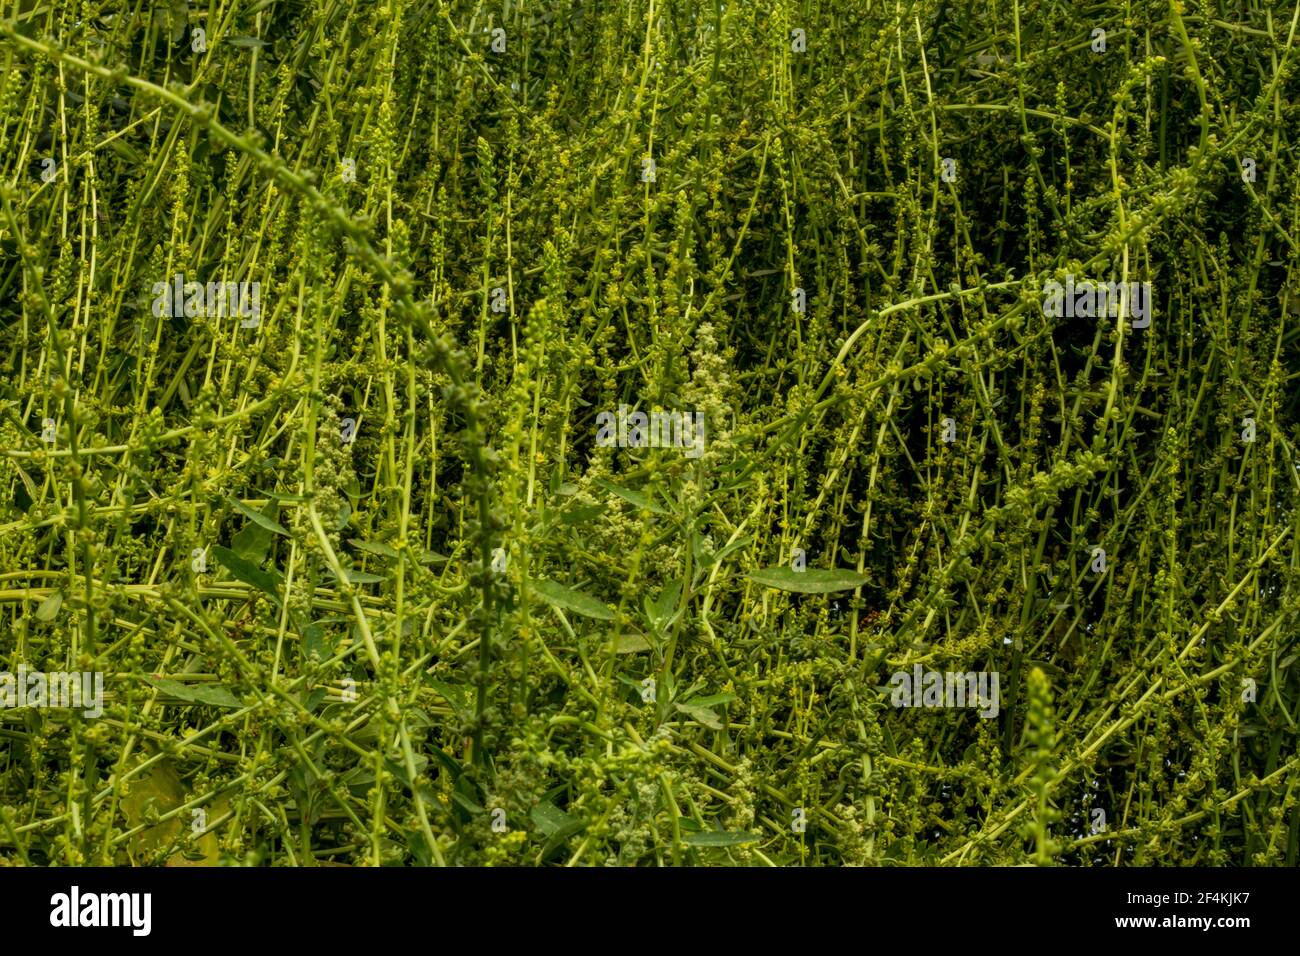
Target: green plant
{"points": [[359, 575]]}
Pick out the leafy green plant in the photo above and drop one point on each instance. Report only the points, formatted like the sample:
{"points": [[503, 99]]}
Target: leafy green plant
{"points": [[365, 587]]}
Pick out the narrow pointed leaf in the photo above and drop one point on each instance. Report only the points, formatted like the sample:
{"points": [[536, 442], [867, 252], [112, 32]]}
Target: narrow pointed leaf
{"points": [[811, 581]]}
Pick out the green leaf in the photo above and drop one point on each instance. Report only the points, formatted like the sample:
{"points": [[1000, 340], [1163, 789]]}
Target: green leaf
{"points": [[374, 547], [632, 497], [252, 543], [247, 42], [156, 791], [442, 758], [25, 492], [398, 769], [415, 718], [314, 641], [718, 838], [701, 714], [314, 699], [711, 701], [559, 834], [127, 151], [50, 607], [282, 497], [214, 695], [458, 695], [631, 643], [580, 514], [702, 556], [887, 738], [557, 595], [248, 572], [728, 549], [256, 516], [807, 582], [360, 577], [661, 611], [473, 808], [554, 823]]}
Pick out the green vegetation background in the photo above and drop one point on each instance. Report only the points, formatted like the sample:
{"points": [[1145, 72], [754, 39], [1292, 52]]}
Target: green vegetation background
{"points": [[309, 657]]}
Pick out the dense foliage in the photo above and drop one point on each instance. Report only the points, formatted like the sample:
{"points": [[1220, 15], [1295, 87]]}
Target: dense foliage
{"points": [[366, 588]]}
